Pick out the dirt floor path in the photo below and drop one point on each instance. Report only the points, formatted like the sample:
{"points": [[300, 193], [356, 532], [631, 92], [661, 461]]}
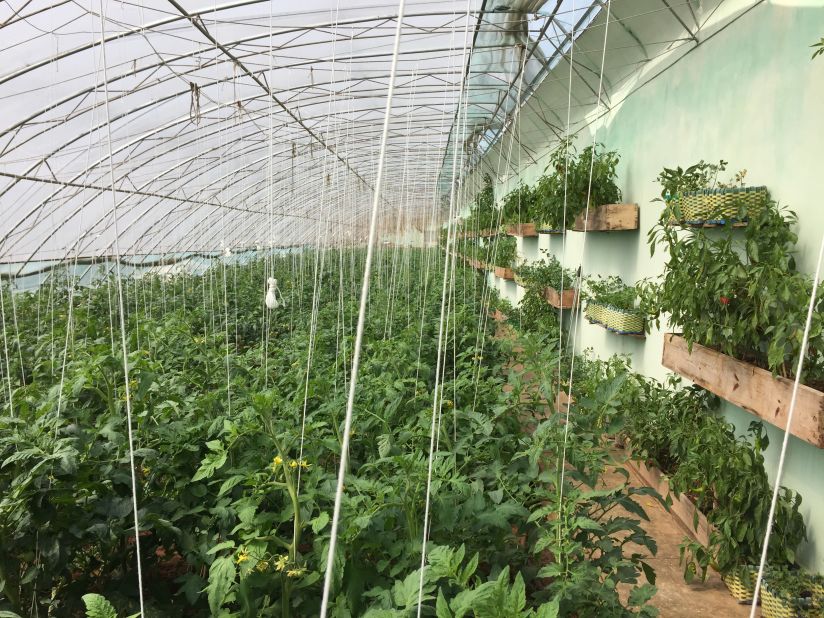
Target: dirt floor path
{"points": [[676, 598]]}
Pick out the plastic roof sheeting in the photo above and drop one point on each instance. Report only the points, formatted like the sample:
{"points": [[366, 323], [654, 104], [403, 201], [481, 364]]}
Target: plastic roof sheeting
{"points": [[242, 124]]}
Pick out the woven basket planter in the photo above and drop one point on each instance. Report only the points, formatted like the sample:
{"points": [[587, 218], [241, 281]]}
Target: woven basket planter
{"points": [[594, 313], [546, 228], [774, 605], [718, 206], [778, 604], [614, 319], [740, 583]]}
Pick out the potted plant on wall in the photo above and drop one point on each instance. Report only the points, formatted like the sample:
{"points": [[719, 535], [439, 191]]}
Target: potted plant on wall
{"points": [[504, 252], [695, 196], [612, 305], [549, 202], [574, 179], [549, 280], [717, 479], [483, 216], [741, 306], [518, 212], [724, 474], [790, 593]]}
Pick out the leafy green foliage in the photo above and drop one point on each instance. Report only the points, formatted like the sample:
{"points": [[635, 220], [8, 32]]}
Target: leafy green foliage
{"points": [[504, 251], [678, 431], [570, 179], [800, 591], [677, 180], [739, 291], [534, 313], [612, 291], [234, 508], [819, 48], [482, 214], [98, 607], [519, 206], [547, 273], [567, 182]]}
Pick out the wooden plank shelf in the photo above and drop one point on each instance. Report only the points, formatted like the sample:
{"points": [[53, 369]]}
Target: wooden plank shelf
{"points": [[481, 234], [681, 508], [526, 230], [608, 218], [749, 387], [504, 273], [566, 300]]}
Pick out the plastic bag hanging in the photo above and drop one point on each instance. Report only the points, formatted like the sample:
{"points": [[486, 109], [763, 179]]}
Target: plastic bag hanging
{"points": [[272, 294]]}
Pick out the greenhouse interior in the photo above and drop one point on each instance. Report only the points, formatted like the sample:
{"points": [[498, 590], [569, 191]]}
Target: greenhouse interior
{"points": [[482, 308]]}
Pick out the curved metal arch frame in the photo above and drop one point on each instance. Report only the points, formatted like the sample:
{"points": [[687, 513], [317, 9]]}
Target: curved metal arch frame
{"points": [[252, 171], [125, 114], [190, 200], [139, 139]]}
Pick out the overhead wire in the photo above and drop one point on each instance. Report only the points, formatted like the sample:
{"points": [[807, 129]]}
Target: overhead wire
{"points": [[581, 270]]}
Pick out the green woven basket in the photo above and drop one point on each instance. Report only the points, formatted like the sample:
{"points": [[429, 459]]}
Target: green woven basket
{"points": [[617, 320], [548, 228], [593, 313], [775, 604], [717, 206], [741, 582]]}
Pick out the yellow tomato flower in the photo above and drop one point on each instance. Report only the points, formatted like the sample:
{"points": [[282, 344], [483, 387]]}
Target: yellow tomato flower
{"points": [[262, 566], [277, 460], [295, 572], [281, 562], [304, 464], [293, 464], [242, 556]]}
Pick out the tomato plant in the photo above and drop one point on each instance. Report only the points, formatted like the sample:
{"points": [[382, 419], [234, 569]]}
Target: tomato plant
{"points": [[237, 443]]}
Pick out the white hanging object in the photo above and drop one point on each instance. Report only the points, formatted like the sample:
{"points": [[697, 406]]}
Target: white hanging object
{"points": [[272, 294]]}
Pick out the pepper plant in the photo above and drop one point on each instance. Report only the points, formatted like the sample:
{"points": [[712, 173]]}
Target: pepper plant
{"points": [[572, 178], [739, 291], [612, 291]]}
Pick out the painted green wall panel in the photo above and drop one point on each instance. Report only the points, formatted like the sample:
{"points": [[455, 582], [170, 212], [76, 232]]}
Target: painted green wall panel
{"points": [[751, 95]]}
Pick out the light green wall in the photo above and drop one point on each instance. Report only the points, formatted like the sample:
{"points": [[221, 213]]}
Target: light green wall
{"points": [[752, 96]]}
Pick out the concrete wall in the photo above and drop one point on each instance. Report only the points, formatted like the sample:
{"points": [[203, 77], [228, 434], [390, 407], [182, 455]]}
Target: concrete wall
{"points": [[748, 94]]}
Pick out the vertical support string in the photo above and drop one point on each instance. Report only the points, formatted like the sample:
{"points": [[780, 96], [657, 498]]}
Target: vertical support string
{"points": [[367, 271], [785, 443], [122, 313], [448, 262]]}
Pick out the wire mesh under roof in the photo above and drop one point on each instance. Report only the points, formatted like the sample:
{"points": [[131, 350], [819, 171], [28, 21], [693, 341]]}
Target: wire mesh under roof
{"points": [[249, 123]]}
